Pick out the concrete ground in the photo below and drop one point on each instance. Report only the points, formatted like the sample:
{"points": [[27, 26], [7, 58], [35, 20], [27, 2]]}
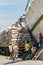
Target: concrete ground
{"points": [[5, 61]]}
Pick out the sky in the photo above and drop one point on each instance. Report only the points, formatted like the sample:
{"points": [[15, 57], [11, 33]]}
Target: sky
{"points": [[10, 11]]}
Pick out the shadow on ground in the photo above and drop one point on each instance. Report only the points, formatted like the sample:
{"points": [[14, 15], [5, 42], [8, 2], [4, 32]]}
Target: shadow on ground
{"points": [[11, 62]]}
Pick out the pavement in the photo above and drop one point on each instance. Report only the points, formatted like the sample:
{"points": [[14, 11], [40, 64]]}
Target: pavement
{"points": [[5, 61]]}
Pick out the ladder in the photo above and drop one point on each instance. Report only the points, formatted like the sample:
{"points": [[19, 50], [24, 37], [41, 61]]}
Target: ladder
{"points": [[37, 54]]}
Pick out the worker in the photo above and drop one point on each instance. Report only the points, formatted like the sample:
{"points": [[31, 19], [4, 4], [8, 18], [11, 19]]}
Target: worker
{"points": [[27, 51], [11, 51]]}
